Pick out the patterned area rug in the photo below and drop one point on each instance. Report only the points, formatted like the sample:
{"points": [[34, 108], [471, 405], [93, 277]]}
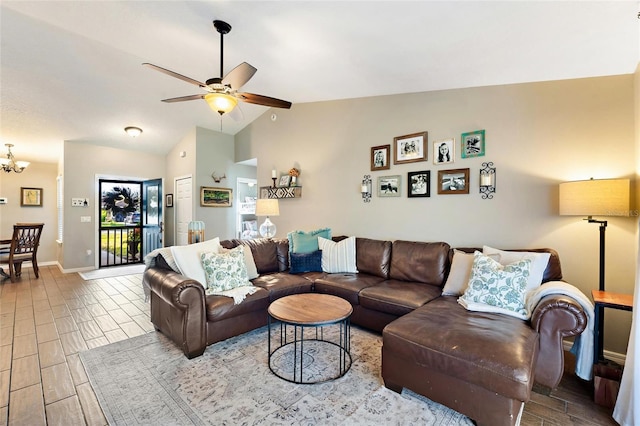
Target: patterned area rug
{"points": [[147, 380]]}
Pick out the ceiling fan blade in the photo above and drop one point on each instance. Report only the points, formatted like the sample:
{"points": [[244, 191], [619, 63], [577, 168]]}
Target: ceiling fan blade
{"points": [[175, 74], [236, 114], [263, 100], [238, 77], [184, 98]]}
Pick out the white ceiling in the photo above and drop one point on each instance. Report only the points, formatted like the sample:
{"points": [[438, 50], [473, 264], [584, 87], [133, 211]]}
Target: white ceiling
{"points": [[72, 70]]}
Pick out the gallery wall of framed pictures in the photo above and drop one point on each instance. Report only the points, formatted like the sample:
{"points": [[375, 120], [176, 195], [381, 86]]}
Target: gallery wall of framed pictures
{"points": [[414, 148]]}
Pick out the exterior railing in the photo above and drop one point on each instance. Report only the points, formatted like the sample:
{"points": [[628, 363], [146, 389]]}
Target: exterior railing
{"points": [[120, 245]]}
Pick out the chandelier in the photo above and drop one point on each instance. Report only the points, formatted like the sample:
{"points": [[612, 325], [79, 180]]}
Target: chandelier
{"points": [[10, 164]]}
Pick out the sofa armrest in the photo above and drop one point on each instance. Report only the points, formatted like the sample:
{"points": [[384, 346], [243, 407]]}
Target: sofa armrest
{"points": [[554, 318], [178, 309]]}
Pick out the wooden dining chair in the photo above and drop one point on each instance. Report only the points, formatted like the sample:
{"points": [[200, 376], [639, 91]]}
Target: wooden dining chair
{"points": [[24, 248]]}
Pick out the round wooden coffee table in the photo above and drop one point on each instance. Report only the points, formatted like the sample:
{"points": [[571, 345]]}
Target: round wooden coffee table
{"points": [[315, 311]]}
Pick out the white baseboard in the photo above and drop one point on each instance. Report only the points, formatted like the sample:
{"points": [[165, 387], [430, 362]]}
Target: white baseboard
{"points": [[613, 356]]}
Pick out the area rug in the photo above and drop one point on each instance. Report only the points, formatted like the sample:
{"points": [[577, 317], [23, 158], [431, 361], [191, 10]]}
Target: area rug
{"points": [[147, 380], [112, 271]]}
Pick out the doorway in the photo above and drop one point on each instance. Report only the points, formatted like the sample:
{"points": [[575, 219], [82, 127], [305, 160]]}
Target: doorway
{"points": [[130, 223]]}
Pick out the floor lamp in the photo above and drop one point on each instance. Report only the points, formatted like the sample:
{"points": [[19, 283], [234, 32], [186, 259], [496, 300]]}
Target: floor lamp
{"points": [[602, 197]]}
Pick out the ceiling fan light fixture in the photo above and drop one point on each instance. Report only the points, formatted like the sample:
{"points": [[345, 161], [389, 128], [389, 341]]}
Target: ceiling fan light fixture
{"points": [[221, 102], [134, 132]]}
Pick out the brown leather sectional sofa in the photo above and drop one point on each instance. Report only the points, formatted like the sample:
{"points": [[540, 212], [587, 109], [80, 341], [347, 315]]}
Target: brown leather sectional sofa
{"points": [[480, 364]]}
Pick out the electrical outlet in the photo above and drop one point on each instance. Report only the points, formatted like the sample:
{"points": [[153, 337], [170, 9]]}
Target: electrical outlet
{"points": [[85, 218]]}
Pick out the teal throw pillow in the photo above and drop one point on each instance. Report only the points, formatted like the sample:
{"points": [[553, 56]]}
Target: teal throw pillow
{"points": [[306, 242], [497, 288]]}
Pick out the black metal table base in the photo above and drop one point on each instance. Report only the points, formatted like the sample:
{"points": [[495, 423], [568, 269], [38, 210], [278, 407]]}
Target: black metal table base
{"points": [[343, 345]]}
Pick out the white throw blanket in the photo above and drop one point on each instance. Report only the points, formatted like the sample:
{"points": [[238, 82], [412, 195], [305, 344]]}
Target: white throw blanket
{"points": [[583, 344]]}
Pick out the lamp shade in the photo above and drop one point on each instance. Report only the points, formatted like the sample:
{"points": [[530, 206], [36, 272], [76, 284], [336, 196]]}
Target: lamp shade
{"points": [[267, 207], [221, 102], [602, 197]]}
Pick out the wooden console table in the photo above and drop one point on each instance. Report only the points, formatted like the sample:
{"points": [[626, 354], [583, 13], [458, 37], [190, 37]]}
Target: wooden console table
{"points": [[606, 299]]}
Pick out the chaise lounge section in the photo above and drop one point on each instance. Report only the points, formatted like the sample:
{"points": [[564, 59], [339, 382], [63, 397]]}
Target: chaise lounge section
{"points": [[480, 364]]}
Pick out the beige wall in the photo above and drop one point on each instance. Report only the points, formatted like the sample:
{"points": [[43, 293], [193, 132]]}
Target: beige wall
{"points": [[83, 165], [37, 175], [537, 135]]}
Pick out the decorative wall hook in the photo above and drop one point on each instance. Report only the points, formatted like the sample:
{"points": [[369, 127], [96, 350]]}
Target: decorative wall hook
{"points": [[487, 180], [217, 179], [365, 189]]}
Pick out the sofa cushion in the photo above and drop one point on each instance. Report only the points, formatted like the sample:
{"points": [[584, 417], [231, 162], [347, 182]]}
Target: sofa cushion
{"points": [[226, 270], [459, 274], [539, 263], [497, 288], [553, 272], [373, 257], [420, 262], [222, 307], [306, 242], [397, 297], [346, 286], [282, 284], [300, 263], [188, 258], [493, 351], [264, 252], [338, 257]]}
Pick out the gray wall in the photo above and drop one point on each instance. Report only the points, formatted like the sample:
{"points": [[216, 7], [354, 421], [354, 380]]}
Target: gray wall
{"points": [[37, 175], [537, 135], [83, 165]]}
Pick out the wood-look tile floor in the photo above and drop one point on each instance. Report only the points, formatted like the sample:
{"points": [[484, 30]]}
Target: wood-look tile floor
{"points": [[46, 322]]}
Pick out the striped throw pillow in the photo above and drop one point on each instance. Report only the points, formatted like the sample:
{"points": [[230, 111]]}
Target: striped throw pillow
{"points": [[338, 257]]}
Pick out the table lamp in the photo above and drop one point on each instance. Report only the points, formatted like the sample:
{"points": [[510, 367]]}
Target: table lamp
{"points": [[267, 207], [601, 197]]}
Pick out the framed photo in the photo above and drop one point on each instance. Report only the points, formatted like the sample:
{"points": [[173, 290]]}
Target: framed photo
{"points": [[419, 184], [454, 181], [215, 197], [444, 151], [285, 180], [472, 144], [389, 186], [168, 200], [31, 197], [380, 157], [410, 148]]}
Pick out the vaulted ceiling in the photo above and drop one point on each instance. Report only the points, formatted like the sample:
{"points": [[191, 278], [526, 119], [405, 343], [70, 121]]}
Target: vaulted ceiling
{"points": [[71, 70]]}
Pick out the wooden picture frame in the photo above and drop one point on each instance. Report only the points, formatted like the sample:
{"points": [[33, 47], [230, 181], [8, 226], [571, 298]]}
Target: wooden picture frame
{"points": [[380, 157], [216, 197], [168, 200], [419, 184], [472, 144], [30, 197], [410, 148], [390, 186], [453, 181], [444, 151]]}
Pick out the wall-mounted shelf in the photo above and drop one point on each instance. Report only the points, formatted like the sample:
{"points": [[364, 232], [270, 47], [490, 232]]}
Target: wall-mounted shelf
{"points": [[284, 192]]}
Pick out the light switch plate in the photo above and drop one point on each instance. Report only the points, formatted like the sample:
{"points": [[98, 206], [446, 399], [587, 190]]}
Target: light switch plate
{"points": [[85, 218]]}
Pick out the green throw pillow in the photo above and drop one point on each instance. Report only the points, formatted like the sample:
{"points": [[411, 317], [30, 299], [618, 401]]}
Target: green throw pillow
{"points": [[496, 288], [306, 242], [225, 271]]}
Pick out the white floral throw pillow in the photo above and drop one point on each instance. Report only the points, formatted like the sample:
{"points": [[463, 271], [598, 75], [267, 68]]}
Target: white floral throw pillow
{"points": [[225, 271], [497, 288]]}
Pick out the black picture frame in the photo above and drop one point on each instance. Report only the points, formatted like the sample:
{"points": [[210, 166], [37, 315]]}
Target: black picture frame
{"points": [[419, 184], [168, 200]]}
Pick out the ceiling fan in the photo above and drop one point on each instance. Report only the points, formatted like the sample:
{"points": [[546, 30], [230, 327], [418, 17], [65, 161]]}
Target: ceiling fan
{"points": [[222, 93]]}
